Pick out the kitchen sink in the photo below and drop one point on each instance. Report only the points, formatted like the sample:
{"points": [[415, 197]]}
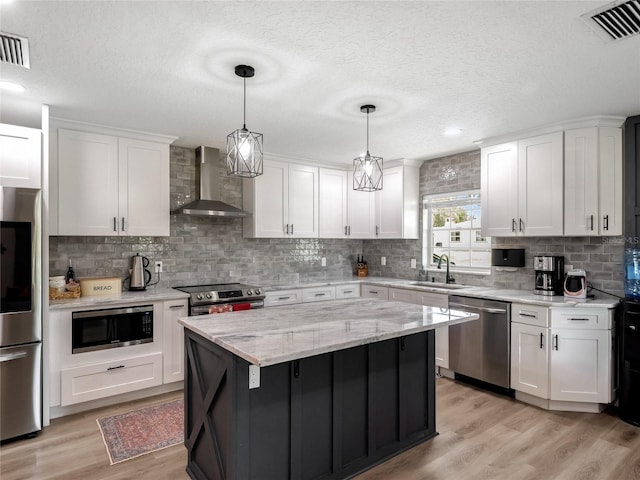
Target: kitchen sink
{"points": [[447, 286]]}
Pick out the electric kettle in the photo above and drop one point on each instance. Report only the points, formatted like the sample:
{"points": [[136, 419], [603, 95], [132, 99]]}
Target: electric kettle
{"points": [[139, 275], [575, 284]]}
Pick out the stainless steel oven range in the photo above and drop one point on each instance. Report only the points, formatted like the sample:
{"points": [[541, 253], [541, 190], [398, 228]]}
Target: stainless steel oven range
{"points": [[222, 297]]}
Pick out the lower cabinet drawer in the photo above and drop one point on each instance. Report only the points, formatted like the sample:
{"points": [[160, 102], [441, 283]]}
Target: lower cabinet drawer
{"points": [[90, 382], [371, 291], [282, 297], [318, 294], [402, 295], [348, 291], [582, 318]]}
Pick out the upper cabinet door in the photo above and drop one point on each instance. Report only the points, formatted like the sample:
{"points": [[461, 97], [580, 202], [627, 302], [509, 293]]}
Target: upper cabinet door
{"points": [[361, 214], [87, 183], [20, 157], [143, 188], [499, 190], [610, 176], [333, 203], [303, 201], [389, 205], [540, 185], [269, 203], [581, 181]]}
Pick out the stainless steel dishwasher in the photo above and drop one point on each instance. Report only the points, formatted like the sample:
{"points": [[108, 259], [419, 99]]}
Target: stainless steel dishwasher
{"points": [[481, 349]]}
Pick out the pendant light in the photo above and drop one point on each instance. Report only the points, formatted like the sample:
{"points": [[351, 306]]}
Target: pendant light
{"points": [[367, 169], [244, 148]]}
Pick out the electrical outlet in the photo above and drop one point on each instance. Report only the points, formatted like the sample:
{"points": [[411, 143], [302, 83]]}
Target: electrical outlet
{"points": [[383, 261], [413, 263], [158, 266], [324, 261]]}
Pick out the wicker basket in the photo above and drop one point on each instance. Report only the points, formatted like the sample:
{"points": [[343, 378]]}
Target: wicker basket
{"points": [[55, 294]]}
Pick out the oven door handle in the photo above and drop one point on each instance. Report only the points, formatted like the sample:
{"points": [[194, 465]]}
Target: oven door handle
{"points": [[12, 356]]}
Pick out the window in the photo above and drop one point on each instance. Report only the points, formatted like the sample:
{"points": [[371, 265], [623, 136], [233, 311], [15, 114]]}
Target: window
{"points": [[451, 224]]}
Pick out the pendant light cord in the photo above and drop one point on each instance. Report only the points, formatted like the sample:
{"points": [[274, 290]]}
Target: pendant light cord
{"points": [[367, 132], [244, 103]]}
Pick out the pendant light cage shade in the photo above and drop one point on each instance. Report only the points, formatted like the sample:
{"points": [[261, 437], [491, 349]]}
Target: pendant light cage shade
{"points": [[244, 153], [367, 173], [244, 148], [367, 169]]}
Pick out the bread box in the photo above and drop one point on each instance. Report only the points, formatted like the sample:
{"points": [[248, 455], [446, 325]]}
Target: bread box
{"points": [[100, 286]]}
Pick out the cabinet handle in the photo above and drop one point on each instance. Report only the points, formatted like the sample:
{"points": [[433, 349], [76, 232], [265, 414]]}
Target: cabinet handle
{"points": [[555, 342], [579, 319], [115, 368], [402, 344], [513, 225], [283, 298], [173, 307], [345, 230], [292, 229], [349, 230], [521, 225], [528, 315], [606, 222], [320, 294], [115, 224], [287, 229], [375, 292], [347, 291], [541, 337], [591, 219], [296, 368], [123, 224], [377, 230]]}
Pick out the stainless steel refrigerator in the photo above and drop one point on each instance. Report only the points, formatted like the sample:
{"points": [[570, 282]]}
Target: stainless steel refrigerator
{"points": [[20, 313]]}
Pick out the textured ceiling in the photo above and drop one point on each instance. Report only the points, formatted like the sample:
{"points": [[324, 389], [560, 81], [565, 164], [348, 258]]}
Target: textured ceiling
{"points": [[487, 68]]}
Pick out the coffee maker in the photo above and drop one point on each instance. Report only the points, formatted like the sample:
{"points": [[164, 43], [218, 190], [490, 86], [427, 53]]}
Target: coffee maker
{"points": [[549, 274]]}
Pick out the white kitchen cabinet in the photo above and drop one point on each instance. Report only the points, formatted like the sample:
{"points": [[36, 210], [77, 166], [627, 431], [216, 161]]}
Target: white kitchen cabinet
{"points": [[403, 295], [283, 201], [20, 156], [282, 297], [350, 290], [173, 340], [332, 206], [108, 185], [344, 212], [318, 294], [593, 181], [581, 357], [374, 291], [361, 212], [438, 300], [94, 381], [397, 204], [522, 187], [530, 359]]}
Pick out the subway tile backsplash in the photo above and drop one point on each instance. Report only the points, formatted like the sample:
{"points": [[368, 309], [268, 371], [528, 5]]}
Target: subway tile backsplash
{"points": [[213, 250]]}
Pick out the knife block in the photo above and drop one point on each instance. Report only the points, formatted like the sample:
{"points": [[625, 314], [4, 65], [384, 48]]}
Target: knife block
{"points": [[362, 270]]}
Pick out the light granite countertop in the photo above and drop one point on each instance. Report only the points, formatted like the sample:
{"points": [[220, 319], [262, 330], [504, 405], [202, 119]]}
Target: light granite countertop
{"points": [[507, 295], [268, 336], [150, 295]]}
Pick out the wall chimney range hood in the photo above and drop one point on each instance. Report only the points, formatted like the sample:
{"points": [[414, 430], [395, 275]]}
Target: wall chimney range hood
{"points": [[209, 203]]}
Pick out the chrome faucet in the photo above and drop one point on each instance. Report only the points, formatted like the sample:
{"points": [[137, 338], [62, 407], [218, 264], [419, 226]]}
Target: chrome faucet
{"points": [[449, 277]]}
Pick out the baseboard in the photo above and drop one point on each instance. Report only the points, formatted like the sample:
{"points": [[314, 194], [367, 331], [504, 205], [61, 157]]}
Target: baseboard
{"points": [[561, 406]]}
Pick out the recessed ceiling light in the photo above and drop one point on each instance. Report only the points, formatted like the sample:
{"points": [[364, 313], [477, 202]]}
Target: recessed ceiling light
{"points": [[452, 132], [11, 87]]}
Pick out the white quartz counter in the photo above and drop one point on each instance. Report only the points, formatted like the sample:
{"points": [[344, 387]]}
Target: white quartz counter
{"points": [[150, 295], [268, 336], [507, 295]]}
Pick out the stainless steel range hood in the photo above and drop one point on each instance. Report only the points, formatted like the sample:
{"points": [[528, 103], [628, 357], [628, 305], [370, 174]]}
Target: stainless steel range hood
{"points": [[209, 203]]}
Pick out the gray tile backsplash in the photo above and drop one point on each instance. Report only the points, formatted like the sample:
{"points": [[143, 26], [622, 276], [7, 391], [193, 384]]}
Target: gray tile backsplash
{"points": [[213, 250]]}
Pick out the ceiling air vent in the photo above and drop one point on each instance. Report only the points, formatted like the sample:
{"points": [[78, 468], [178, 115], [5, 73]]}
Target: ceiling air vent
{"points": [[14, 50], [615, 21]]}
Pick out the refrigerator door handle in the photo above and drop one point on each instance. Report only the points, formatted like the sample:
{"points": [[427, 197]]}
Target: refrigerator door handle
{"points": [[12, 356]]}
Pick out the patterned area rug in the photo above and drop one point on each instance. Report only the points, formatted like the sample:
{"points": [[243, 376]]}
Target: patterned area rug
{"points": [[132, 434]]}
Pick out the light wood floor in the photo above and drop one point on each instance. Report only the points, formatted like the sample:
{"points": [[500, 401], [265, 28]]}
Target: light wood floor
{"points": [[482, 436]]}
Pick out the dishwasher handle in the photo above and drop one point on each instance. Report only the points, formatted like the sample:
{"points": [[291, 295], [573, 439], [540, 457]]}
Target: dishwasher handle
{"points": [[474, 307]]}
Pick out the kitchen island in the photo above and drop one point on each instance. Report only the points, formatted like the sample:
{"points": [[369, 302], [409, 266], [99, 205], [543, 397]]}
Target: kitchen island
{"points": [[321, 390]]}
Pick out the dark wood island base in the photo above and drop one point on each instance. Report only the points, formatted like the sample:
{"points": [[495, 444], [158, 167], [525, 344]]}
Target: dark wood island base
{"points": [[330, 416]]}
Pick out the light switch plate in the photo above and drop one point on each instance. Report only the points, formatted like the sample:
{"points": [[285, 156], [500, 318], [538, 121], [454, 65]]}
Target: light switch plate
{"points": [[383, 260], [254, 376], [324, 261], [413, 263]]}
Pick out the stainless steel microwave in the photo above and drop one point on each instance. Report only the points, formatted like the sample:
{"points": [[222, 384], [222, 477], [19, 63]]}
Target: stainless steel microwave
{"points": [[111, 328]]}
